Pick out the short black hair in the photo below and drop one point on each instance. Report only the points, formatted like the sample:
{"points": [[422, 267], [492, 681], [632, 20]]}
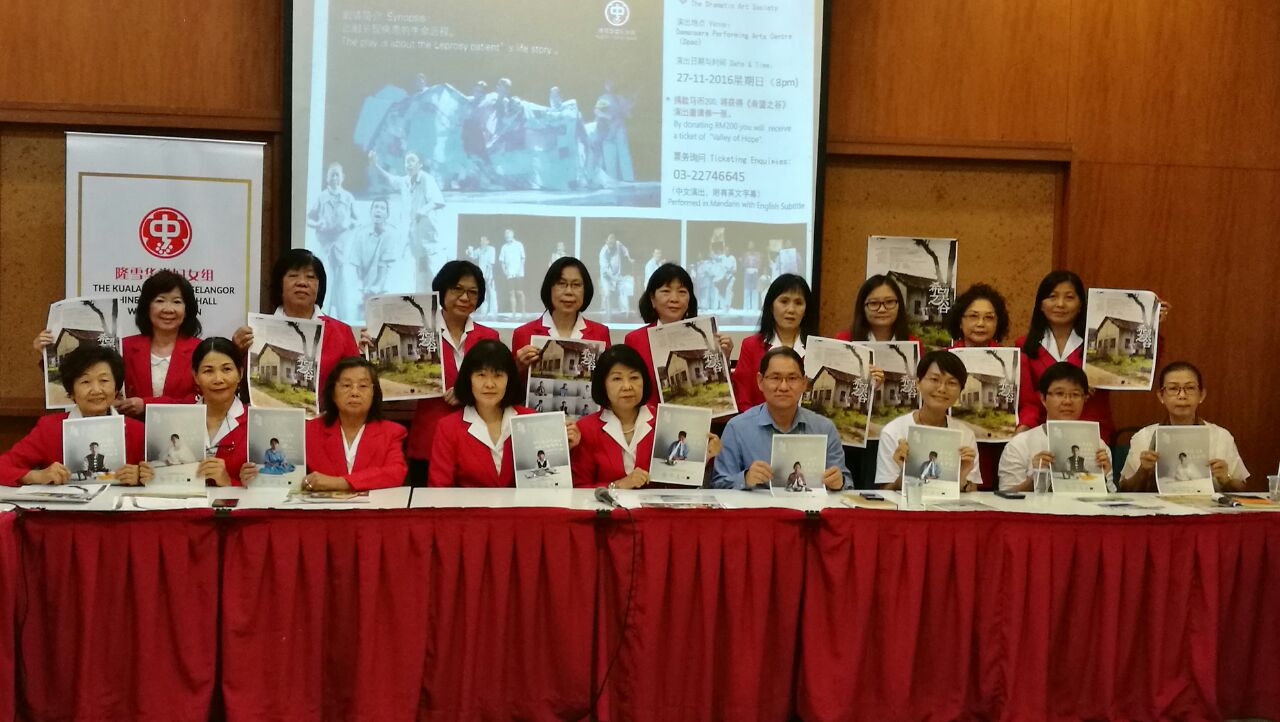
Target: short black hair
{"points": [[783, 284], [174, 436], [1075, 447], [217, 344], [860, 326], [683, 434], [933, 453], [331, 386], [777, 351], [1182, 454], [664, 274], [557, 267], [92, 444], [292, 260], [452, 273], [1173, 366], [979, 292], [947, 362], [274, 440], [1062, 371], [612, 356], [164, 282], [493, 355], [75, 364]]}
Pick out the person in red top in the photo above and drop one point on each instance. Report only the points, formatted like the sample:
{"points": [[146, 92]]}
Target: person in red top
{"points": [[91, 376], [218, 366], [1057, 334], [567, 291], [616, 442], [298, 286], [980, 319], [668, 298], [350, 447], [472, 447], [788, 317], [462, 290]]}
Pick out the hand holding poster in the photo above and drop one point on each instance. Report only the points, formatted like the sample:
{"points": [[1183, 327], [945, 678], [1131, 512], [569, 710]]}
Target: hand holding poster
{"points": [[406, 345], [897, 395], [284, 362], [680, 445], [924, 270], [989, 400], [540, 451], [1121, 330], [690, 366], [840, 386], [76, 322], [561, 378]]}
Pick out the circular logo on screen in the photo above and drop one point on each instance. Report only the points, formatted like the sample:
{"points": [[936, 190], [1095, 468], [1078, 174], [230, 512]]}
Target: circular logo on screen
{"points": [[617, 13], [165, 232]]}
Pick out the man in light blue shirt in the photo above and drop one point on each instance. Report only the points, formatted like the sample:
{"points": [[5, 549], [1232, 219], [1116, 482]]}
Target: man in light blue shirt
{"points": [[747, 444]]}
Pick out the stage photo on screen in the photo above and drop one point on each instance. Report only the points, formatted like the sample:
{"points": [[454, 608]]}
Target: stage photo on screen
{"points": [[514, 252], [733, 263], [621, 253]]}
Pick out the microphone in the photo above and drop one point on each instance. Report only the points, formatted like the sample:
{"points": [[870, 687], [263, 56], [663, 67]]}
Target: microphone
{"points": [[605, 497]]}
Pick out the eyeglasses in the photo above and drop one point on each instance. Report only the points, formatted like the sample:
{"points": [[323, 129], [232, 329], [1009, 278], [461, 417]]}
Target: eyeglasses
{"points": [[950, 382], [975, 317], [1065, 395], [465, 292], [1180, 390], [888, 305], [778, 380], [568, 285]]}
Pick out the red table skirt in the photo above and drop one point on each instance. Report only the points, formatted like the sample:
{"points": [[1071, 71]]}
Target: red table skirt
{"points": [[9, 594], [400, 615], [1012, 617], [119, 616]]}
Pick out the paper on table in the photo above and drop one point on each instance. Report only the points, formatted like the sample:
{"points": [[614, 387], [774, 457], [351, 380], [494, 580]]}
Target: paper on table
{"points": [[70, 493]]}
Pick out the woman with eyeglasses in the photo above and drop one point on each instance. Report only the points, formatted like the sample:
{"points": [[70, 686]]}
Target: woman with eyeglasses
{"points": [[879, 313], [1181, 391], [940, 376], [462, 289], [979, 318], [667, 298], [567, 291], [1063, 390]]}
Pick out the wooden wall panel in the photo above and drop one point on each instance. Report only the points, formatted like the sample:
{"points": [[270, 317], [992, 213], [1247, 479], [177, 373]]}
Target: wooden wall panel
{"points": [[1205, 240], [1002, 213], [1181, 82], [151, 62], [971, 71]]}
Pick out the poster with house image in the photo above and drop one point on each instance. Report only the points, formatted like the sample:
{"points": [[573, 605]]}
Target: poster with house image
{"points": [[897, 395], [925, 271], [76, 322], [1183, 466], [840, 385], [989, 400], [284, 362], [406, 345], [1121, 329], [561, 378], [690, 367]]}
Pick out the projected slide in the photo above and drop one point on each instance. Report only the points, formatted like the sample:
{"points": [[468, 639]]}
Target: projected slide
{"points": [[626, 133]]}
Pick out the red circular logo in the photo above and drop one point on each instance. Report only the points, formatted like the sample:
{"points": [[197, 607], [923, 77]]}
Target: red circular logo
{"points": [[165, 232]]}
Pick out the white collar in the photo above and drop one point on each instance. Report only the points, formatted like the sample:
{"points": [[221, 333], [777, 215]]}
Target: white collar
{"points": [[480, 430], [1050, 344], [349, 449], [229, 422], [799, 347], [75, 413], [579, 326], [159, 360], [444, 332], [613, 427], [315, 313]]}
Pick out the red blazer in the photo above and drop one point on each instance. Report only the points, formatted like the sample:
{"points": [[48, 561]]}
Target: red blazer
{"points": [[745, 390], [1031, 411], [179, 382], [597, 460], [234, 447], [961, 343], [429, 412], [522, 335], [847, 335], [460, 459], [339, 343], [638, 339], [42, 446], [379, 458]]}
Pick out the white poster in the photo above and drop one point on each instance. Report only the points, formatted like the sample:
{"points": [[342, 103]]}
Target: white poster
{"points": [[140, 204]]}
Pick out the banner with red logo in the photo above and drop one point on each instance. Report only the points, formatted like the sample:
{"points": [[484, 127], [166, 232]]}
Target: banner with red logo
{"points": [[140, 204]]}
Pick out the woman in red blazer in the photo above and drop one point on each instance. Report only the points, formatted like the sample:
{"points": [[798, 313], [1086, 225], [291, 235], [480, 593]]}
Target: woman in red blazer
{"points": [[91, 376], [218, 367], [472, 447], [667, 298], [789, 316], [567, 291], [462, 290], [616, 443], [298, 285], [980, 319]]}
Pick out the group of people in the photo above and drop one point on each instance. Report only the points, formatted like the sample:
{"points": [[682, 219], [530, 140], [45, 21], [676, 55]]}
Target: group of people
{"points": [[464, 437]]}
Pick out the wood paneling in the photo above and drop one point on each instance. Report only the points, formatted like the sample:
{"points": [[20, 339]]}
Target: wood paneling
{"points": [[200, 65], [971, 71], [1002, 213], [1180, 82], [1205, 240]]}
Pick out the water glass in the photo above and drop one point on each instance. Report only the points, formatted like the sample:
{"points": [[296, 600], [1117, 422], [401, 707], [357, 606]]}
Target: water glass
{"points": [[913, 492], [1042, 481], [1273, 488]]}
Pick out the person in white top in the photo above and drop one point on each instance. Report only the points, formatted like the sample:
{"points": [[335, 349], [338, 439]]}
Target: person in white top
{"points": [[1181, 391], [1063, 390], [940, 376], [485, 256], [511, 259]]}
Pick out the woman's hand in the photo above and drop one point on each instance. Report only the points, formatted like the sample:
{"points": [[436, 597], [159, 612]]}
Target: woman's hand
{"points": [[636, 479], [242, 338], [877, 376], [215, 470], [1147, 460], [900, 453], [451, 398], [968, 455], [54, 473], [315, 481], [44, 338], [527, 356], [146, 473], [248, 472], [132, 406], [1103, 460], [726, 344], [571, 430], [127, 475]]}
